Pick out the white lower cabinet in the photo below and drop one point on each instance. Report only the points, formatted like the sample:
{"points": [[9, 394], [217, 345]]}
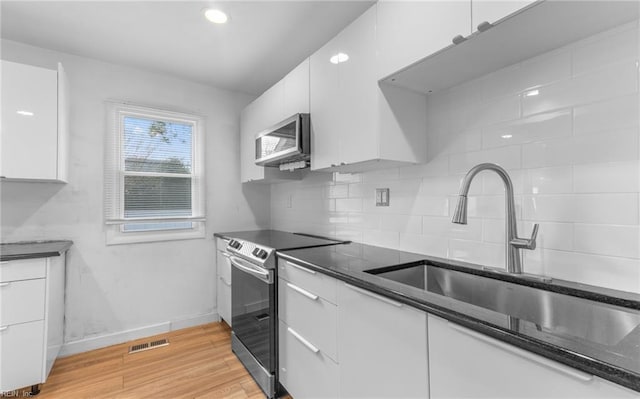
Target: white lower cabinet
{"points": [[467, 364], [21, 349], [223, 281], [382, 346], [31, 320], [306, 371]]}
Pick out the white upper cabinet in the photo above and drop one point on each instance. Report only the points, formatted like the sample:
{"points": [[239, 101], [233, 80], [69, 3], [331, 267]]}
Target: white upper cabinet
{"points": [[356, 124], [409, 30], [492, 11], [34, 123], [287, 97]]}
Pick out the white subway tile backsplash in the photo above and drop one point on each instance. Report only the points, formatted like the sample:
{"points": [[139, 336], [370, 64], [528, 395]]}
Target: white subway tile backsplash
{"points": [[572, 152], [401, 223], [534, 128], [617, 113], [438, 226], [338, 191], [349, 205], [611, 81], [507, 157], [481, 253], [606, 49], [586, 208], [613, 177], [364, 221], [610, 146], [555, 180], [424, 244], [604, 271], [607, 240], [387, 239], [606, 208]]}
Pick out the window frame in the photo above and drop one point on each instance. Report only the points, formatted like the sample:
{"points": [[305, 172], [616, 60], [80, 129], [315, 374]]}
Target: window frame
{"points": [[115, 173]]}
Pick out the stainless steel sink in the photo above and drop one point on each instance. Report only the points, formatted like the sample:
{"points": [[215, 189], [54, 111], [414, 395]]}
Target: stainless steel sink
{"points": [[567, 315]]}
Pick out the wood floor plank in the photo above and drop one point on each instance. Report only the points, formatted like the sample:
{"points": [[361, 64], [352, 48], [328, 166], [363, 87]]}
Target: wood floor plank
{"points": [[197, 363]]}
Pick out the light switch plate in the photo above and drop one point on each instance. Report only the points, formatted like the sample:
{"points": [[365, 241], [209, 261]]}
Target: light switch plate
{"points": [[382, 197]]}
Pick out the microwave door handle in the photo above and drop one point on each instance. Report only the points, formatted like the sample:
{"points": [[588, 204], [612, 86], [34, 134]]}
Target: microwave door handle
{"points": [[246, 267]]}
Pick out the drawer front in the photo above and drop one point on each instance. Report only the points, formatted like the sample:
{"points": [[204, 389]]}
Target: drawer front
{"points": [[21, 355], [21, 301], [318, 283], [224, 266], [22, 269], [310, 315], [305, 373]]}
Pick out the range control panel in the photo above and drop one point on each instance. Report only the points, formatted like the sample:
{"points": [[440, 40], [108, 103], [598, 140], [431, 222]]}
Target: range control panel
{"points": [[250, 251]]}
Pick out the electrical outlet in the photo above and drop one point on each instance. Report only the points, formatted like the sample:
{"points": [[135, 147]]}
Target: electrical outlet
{"points": [[382, 197]]}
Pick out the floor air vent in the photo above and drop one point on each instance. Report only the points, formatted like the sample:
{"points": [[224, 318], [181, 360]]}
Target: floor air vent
{"points": [[148, 345]]}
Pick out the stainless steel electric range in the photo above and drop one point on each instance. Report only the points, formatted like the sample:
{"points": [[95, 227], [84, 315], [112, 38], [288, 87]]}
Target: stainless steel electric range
{"points": [[254, 298]]}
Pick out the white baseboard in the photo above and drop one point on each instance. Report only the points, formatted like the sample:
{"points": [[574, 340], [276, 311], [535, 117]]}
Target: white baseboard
{"points": [[102, 341]]}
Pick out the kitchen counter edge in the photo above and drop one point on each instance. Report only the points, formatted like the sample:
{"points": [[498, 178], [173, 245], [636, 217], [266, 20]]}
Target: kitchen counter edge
{"points": [[33, 249]]}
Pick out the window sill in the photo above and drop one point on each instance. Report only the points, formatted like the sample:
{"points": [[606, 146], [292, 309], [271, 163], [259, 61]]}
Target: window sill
{"points": [[116, 237]]}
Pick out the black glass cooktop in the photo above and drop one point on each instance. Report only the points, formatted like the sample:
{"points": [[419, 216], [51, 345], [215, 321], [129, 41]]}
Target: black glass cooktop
{"points": [[280, 240]]}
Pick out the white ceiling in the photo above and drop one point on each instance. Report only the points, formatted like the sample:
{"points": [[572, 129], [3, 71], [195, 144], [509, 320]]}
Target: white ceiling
{"points": [[262, 41]]}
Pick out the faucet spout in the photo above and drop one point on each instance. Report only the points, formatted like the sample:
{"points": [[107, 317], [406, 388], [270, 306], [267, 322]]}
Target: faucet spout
{"points": [[512, 242]]}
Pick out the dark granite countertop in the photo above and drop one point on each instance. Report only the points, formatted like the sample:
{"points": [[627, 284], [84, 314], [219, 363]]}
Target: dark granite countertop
{"points": [[279, 240], [618, 362], [33, 249]]}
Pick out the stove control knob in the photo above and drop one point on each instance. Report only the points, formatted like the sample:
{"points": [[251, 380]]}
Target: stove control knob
{"points": [[260, 253], [235, 244]]}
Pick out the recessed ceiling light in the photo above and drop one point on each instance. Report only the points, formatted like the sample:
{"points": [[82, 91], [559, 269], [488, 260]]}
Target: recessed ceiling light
{"points": [[338, 58], [24, 113], [506, 136], [216, 16]]}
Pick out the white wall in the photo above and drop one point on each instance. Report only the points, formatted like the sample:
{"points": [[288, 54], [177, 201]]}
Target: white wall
{"points": [[572, 151], [114, 289]]}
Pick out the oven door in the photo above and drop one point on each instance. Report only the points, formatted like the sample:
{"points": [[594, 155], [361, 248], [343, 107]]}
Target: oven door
{"points": [[253, 310]]}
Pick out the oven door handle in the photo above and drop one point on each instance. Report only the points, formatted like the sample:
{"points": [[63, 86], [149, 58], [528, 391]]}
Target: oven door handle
{"points": [[247, 267]]}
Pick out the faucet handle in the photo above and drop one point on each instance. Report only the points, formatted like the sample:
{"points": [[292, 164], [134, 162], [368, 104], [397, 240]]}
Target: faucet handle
{"points": [[527, 243]]}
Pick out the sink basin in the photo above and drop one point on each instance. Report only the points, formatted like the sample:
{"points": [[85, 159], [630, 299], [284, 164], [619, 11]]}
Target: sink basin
{"points": [[593, 321]]}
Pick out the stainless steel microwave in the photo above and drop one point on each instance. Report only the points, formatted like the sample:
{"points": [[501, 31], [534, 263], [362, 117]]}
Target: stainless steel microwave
{"points": [[288, 141]]}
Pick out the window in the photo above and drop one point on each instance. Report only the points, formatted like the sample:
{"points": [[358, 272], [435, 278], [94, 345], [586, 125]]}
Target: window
{"points": [[154, 183]]}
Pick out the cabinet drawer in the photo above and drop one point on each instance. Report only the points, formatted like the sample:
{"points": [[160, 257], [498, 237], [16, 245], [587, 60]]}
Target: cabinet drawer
{"points": [[21, 301], [312, 281], [310, 315], [305, 371], [22, 269], [21, 355]]}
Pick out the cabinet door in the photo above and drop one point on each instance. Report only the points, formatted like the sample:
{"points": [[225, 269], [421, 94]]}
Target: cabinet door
{"points": [[249, 171], [411, 30], [29, 140], [323, 83], [224, 287], [492, 11], [21, 301], [344, 96], [466, 364], [296, 90], [382, 347], [21, 355]]}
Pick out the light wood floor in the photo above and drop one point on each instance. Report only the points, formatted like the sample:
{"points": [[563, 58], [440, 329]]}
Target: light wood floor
{"points": [[198, 363]]}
